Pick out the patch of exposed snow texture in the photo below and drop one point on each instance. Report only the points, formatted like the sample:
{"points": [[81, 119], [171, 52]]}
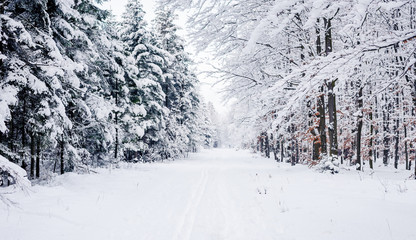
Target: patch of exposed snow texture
{"points": [[216, 194]]}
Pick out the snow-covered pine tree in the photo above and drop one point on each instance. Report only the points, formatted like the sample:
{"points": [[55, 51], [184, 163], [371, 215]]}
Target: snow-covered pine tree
{"points": [[61, 76], [179, 86], [32, 111], [206, 125], [148, 111], [78, 29]]}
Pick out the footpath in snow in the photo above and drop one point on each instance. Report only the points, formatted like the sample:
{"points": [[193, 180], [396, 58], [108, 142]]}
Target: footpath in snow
{"points": [[217, 194]]}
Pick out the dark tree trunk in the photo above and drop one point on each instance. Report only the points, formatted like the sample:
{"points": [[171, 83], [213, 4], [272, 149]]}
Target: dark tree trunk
{"points": [[316, 147], [370, 153], [318, 39], [32, 155], [267, 145], [396, 131], [359, 128], [166, 91], [386, 139], [297, 151], [396, 145], [38, 157], [116, 144], [332, 111], [261, 143], [276, 150], [328, 36], [314, 131], [282, 151], [116, 118], [293, 152], [62, 154], [322, 125], [406, 153], [319, 145], [332, 125]]}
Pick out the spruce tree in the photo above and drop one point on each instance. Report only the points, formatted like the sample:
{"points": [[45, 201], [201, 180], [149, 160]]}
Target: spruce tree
{"points": [[145, 85], [179, 85]]}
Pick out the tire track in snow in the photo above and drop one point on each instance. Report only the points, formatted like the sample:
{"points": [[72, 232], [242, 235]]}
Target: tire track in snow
{"points": [[188, 219]]}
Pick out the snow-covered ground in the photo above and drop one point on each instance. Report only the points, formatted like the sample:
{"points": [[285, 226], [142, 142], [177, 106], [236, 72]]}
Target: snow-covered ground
{"points": [[216, 194]]}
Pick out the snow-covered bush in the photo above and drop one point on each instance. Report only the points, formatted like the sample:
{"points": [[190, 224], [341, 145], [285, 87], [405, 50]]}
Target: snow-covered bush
{"points": [[12, 174], [328, 163]]}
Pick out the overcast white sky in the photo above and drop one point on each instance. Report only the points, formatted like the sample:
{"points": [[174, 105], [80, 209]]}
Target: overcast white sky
{"points": [[209, 93], [117, 6]]}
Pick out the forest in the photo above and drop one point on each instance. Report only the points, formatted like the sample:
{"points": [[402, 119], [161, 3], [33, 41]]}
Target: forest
{"points": [[207, 119], [316, 82], [326, 83], [79, 89]]}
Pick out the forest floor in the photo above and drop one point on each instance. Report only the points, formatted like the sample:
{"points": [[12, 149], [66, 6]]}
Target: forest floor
{"points": [[216, 194]]}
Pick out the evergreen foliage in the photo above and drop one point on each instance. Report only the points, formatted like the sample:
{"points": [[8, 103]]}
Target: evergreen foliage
{"points": [[79, 90]]}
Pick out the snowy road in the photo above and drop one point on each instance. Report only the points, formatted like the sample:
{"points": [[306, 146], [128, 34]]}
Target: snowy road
{"points": [[216, 194]]}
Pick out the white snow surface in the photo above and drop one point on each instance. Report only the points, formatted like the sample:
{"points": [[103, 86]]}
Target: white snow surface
{"points": [[215, 194]]}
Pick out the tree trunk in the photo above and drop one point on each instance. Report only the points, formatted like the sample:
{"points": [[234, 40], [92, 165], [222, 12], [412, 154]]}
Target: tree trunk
{"points": [[328, 36], [396, 146], [322, 125], [332, 125], [261, 143], [116, 118], [359, 129], [332, 111], [277, 149], [370, 152], [320, 144], [293, 152], [405, 148], [297, 151], [318, 39], [281, 151], [116, 144], [316, 147], [32, 155], [38, 158], [386, 139], [396, 131], [267, 146], [314, 131], [62, 154]]}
